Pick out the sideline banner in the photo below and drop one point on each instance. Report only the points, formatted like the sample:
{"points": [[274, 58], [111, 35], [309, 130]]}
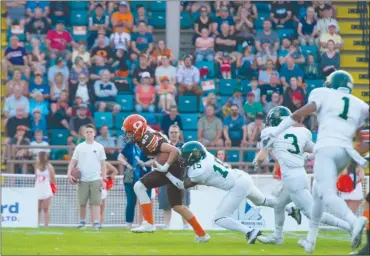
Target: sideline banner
{"points": [[19, 207]]}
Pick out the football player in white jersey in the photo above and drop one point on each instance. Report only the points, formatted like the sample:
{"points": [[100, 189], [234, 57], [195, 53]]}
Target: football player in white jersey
{"points": [[205, 169], [289, 149], [340, 115]]}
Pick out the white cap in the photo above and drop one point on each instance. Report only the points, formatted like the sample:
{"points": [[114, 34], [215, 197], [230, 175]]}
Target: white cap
{"points": [[145, 75]]}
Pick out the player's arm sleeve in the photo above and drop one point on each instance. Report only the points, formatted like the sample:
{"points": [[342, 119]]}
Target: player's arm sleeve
{"points": [[317, 96], [188, 183], [266, 140], [364, 115], [309, 146]]}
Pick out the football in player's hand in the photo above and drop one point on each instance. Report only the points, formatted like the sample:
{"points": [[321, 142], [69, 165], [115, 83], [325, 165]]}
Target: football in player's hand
{"points": [[162, 158], [76, 174]]}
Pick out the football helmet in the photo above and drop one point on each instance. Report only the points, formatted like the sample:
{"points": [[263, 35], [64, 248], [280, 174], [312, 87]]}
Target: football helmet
{"points": [[340, 80], [191, 152], [133, 127], [276, 115]]}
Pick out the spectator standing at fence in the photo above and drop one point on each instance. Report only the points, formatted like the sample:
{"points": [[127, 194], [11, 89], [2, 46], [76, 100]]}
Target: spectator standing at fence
{"points": [[15, 57], [129, 157], [174, 137], [235, 129], [89, 157], [210, 129], [188, 78], [45, 174]]}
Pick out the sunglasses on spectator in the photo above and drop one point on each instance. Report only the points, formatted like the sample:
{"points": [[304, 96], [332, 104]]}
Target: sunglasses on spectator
{"points": [[234, 109]]}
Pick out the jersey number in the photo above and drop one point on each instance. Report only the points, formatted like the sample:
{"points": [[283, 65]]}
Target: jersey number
{"points": [[294, 143], [219, 169], [344, 114]]}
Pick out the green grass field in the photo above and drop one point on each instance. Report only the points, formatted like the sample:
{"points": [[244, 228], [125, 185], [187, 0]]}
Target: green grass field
{"points": [[115, 241]]}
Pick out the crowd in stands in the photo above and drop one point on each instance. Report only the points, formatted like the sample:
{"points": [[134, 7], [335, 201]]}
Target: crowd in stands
{"points": [[68, 62]]}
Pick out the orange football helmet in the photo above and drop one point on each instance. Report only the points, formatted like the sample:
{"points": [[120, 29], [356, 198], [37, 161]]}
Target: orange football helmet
{"points": [[134, 127]]}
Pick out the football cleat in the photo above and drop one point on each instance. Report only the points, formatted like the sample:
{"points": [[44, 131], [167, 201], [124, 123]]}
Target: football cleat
{"points": [[271, 239], [296, 214], [82, 225], [308, 247], [202, 239], [252, 236], [357, 232], [144, 228]]}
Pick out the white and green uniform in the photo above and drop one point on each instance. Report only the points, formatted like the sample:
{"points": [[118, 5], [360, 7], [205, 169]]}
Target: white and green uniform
{"points": [[289, 148], [212, 172]]}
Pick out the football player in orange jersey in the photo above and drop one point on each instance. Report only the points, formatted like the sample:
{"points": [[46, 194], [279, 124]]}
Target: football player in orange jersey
{"points": [[153, 143]]}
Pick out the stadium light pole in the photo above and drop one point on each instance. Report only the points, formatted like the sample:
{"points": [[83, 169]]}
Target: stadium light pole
{"points": [[173, 26]]}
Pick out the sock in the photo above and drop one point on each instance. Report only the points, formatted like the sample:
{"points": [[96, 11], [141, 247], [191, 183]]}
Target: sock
{"points": [[279, 221], [147, 213], [289, 208], [316, 215], [367, 215], [232, 224], [330, 220], [193, 222], [82, 221]]}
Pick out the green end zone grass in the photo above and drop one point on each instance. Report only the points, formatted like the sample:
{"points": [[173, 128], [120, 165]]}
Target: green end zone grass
{"points": [[116, 241]]}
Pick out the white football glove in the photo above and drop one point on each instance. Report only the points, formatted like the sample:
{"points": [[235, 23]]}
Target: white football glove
{"points": [[160, 168]]}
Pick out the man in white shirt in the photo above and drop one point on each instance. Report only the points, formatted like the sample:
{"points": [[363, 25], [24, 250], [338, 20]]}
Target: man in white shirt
{"points": [[38, 142], [166, 69], [188, 78], [89, 157], [14, 101]]}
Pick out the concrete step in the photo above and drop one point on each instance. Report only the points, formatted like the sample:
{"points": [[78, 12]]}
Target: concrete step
{"points": [[350, 27], [347, 11], [354, 61], [362, 92], [354, 43]]}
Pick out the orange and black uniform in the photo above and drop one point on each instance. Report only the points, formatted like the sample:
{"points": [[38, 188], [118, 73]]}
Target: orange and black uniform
{"points": [[151, 143]]}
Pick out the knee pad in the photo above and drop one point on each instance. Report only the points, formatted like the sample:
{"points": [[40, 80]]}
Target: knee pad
{"points": [[139, 186]]}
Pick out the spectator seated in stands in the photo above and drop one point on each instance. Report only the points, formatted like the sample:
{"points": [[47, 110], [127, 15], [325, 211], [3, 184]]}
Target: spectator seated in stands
{"points": [[299, 10], [76, 105], [172, 118], [99, 66], [264, 76], [38, 122], [246, 62], [145, 94], [276, 100], [236, 99], [107, 141], [202, 22], [80, 120], [255, 89], [235, 128], [330, 60], [141, 41], [59, 67], [122, 17], [58, 117], [281, 13], [204, 46], [294, 51], [210, 129], [225, 60], [143, 67], [211, 100], [244, 26], [105, 94], [32, 6], [311, 68], [82, 90], [103, 50], [166, 69], [289, 70], [37, 57], [199, 6], [16, 81], [59, 10], [38, 102], [266, 53], [103, 32], [120, 39], [188, 78], [16, 11], [120, 63], [223, 18], [79, 68], [331, 35], [14, 101], [322, 24], [20, 139], [167, 94], [40, 85], [307, 28], [57, 42], [80, 51], [141, 16], [225, 42], [38, 141], [159, 51], [38, 25], [267, 34], [15, 57], [79, 138], [269, 88], [254, 131], [57, 86], [20, 118], [252, 108], [97, 22], [294, 95]]}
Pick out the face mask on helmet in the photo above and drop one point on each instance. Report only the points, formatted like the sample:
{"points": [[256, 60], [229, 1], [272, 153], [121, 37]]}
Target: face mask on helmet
{"points": [[128, 137]]}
